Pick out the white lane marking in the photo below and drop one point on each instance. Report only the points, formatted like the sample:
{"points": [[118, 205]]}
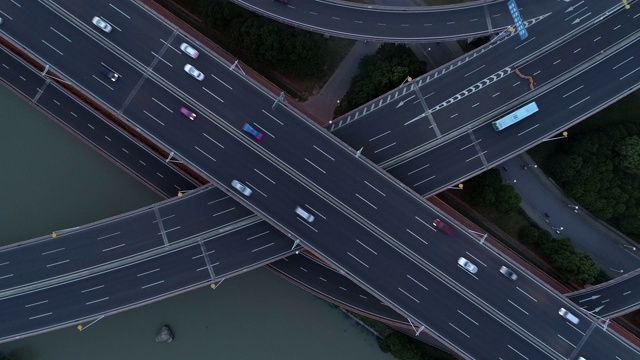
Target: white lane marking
{"points": [[428, 225], [224, 211], [629, 73], [215, 142], [58, 263], [18, 5], [315, 211], [567, 341], [419, 238], [95, 301], [161, 59], [161, 104], [383, 134], [59, 33], [205, 154], [52, 251], [155, 283], [417, 282], [572, 91], [622, 63], [39, 316], [418, 169], [327, 155], [577, 50], [6, 276], [148, 272], [374, 188], [222, 82], [627, 293], [425, 180], [370, 204], [265, 176], [120, 11], [465, 315], [256, 189], [306, 223], [360, 261], [557, 61], [257, 235], [517, 352], [263, 247], [522, 291], [596, 39], [462, 332], [215, 201], [524, 43], [273, 117], [51, 46], [110, 235], [303, 269], [366, 247], [38, 303], [404, 292], [151, 116], [316, 166], [113, 247], [474, 70], [579, 102], [91, 289], [384, 148], [5, 263], [476, 259], [514, 304], [212, 94], [496, 94]]}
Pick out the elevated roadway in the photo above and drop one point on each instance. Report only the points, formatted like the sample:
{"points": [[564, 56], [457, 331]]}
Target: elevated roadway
{"points": [[399, 24], [348, 226]]}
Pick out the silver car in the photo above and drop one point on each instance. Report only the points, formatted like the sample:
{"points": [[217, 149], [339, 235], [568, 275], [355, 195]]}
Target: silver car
{"points": [[467, 265], [241, 187], [569, 316], [193, 72], [101, 24], [189, 50], [305, 215]]}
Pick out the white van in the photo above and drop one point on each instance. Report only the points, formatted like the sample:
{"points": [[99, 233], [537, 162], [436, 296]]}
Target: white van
{"points": [[305, 215]]}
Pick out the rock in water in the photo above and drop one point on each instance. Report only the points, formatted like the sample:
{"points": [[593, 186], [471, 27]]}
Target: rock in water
{"points": [[165, 334]]}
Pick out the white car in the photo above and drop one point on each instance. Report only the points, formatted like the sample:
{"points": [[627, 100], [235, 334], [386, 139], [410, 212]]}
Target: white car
{"points": [[101, 24], [189, 50], [241, 187], [193, 72], [467, 265]]}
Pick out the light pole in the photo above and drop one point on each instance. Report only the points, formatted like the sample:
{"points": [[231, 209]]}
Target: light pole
{"points": [[629, 246], [564, 136], [620, 271], [457, 187]]}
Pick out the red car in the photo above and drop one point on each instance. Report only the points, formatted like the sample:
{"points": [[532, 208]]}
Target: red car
{"points": [[442, 226]]}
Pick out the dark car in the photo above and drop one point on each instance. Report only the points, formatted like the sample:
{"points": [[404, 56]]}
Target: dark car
{"points": [[255, 133], [108, 72], [443, 226], [508, 273], [282, 1]]}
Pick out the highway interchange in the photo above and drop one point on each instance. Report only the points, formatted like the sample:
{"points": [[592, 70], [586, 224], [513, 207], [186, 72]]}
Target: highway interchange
{"points": [[134, 99]]}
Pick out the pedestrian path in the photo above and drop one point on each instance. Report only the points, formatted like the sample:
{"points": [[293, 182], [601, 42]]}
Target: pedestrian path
{"points": [[547, 205]]}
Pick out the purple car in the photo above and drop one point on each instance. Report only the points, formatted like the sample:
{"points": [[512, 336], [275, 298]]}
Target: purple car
{"points": [[255, 133], [188, 113]]}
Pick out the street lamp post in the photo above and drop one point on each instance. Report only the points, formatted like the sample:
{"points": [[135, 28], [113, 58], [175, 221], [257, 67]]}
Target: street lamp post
{"points": [[620, 271], [564, 136]]}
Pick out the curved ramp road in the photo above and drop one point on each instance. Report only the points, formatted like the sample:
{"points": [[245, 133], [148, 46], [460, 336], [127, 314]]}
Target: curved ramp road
{"points": [[399, 24]]}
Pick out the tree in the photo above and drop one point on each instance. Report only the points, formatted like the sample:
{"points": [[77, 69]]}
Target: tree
{"points": [[529, 235], [401, 346], [629, 154], [507, 199]]}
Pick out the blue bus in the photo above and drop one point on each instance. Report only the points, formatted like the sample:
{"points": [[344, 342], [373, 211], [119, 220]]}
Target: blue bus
{"points": [[515, 116]]}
